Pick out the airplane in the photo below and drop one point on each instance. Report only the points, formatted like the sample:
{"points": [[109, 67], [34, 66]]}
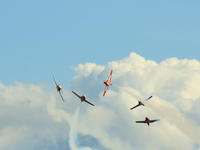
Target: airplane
{"points": [[147, 120], [83, 98], [140, 103], [59, 88], [107, 83]]}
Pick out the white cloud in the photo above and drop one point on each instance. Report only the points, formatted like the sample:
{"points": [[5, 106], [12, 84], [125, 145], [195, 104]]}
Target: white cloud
{"points": [[25, 122], [174, 84], [30, 111]]}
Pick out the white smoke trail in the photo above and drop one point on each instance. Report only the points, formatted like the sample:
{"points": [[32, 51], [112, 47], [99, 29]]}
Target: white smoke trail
{"points": [[59, 115], [73, 133], [97, 132]]}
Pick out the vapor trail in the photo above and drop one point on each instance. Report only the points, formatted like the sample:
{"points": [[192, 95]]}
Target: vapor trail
{"points": [[73, 132], [97, 132]]}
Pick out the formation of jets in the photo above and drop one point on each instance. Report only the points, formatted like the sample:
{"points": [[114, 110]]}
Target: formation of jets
{"points": [[107, 83], [147, 120]]}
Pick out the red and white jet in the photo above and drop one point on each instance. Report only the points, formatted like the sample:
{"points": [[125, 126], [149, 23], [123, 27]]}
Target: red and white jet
{"points": [[59, 88], [147, 120], [107, 83], [83, 98]]}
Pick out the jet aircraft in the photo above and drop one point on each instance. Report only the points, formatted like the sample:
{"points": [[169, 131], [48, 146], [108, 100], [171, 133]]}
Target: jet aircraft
{"points": [[140, 103], [107, 83], [83, 98], [59, 88], [147, 121]]}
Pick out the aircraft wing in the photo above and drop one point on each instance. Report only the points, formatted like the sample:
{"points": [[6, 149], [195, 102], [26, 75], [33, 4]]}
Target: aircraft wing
{"points": [[110, 76], [76, 94], [154, 120], [148, 98], [140, 122], [104, 93], [89, 102], [135, 106], [61, 96], [106, 88], [55, 80]]}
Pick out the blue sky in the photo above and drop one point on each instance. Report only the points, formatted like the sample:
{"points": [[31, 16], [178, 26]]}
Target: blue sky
{"points": [[42, 38]]}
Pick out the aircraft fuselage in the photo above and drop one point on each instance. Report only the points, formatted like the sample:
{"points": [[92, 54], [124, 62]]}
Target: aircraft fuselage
{"points": [[82, 98], [140, 103], [58, 87], [107, 83], [147, 120]]}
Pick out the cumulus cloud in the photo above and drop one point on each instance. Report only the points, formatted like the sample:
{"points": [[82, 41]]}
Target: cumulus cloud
{"points": [[174, 84], [24, 117], [37, 116]]}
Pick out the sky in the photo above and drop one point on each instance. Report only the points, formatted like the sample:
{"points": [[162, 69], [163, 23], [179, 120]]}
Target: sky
{"points": [[153, 48]]}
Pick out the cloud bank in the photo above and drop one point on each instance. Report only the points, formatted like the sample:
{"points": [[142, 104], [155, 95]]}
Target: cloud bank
{"points": [[34, 116]]}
